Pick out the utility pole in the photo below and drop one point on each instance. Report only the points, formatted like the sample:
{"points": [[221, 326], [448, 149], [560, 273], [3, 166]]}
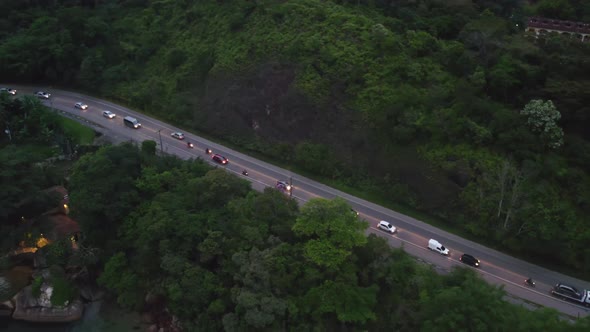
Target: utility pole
{"points": [[161, 146], [7, 132]]}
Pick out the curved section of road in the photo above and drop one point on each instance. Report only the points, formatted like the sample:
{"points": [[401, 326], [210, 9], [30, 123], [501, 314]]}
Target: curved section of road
{"points": [[496, 268]]}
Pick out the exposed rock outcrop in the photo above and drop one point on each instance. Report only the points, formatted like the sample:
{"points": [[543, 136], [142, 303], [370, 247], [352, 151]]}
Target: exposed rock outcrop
{"points": [[6, 308], [29, 308], [90, 293]]}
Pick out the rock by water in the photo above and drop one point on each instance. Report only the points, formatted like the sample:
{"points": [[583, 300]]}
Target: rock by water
{"points": [[29, 309]]}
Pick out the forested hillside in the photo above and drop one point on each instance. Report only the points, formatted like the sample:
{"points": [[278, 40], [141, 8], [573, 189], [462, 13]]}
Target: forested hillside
{"points": [[444, 106]]}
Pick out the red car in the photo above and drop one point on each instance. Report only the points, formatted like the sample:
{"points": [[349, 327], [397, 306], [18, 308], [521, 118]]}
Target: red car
{"points": [[220, 159]]}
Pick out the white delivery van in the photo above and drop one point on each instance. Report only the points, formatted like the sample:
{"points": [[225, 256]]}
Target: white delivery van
{"points": [[131, 122], [434, 245]]}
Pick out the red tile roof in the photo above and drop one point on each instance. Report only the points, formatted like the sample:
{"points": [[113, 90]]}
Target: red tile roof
{"points": [[63, 226]]}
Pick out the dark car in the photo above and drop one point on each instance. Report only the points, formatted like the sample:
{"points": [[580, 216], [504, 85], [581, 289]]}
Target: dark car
{"points": [[468, 259], [566, 291], [220, 159]]}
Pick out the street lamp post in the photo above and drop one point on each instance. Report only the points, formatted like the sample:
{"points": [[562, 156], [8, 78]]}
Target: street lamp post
{"points": [[7, 132], [161, 146]]}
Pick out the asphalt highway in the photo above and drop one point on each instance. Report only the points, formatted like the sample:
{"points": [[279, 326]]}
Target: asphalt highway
{"points": [[496, 268]]}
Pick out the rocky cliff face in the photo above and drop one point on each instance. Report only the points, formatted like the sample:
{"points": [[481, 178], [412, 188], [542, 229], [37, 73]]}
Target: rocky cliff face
{"points": [[6, 308]]}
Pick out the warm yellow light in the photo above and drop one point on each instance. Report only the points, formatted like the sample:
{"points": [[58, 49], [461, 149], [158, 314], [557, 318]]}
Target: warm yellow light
{"points": [[42, 242]]}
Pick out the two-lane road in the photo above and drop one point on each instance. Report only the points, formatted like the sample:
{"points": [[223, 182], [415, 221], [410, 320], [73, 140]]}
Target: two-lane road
{"points": [[413, 235]]}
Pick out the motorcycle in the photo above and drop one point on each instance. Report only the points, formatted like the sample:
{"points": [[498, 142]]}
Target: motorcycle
{"points": [[208, 151], [245, 172], [190, 145], [529, 282]]}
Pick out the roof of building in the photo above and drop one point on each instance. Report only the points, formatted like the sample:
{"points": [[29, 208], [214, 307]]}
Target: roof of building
{"points": [[61, 226], [552, 24]]}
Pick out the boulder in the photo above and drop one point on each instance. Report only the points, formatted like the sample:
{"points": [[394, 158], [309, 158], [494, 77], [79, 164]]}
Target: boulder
{"points": [[28, 308], [6, 308], [91, 294]]}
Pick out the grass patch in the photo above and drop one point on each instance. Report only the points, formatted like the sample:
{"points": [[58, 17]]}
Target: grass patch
{"points": [[82, 134]]}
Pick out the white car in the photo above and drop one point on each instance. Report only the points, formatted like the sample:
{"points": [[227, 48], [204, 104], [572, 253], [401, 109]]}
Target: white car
{"points": [[384, 225], [81, 105], [42, 94], [108, 114], [8, 90], [177, 135]]}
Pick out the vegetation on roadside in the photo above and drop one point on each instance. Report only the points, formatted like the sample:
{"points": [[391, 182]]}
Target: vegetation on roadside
{"points": [[79, 133], [223, 257], [444, 106], [35, 136]]}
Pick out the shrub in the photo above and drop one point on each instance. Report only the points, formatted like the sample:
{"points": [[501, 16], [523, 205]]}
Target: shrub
{"points": [[36, 286], [63, 291]]}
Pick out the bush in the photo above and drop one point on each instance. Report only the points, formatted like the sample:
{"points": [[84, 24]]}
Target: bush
{"points": [[36, 286], [63, 291], [58, 252]]}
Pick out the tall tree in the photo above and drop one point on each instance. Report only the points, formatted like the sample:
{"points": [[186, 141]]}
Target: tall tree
{"points": [[330, 230], [542, 117]]}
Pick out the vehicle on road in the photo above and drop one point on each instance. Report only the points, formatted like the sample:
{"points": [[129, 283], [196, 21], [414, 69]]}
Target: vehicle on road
{"points": [[434, 245], [529, 282], [568, 292], [190, 145], [108, 114], [245, 172], [469, 260], [177, 135], [8, 90], [208, 151], [355, 212], [81, 105], [220, 159], [386, 226], [131, 122], [283, 186], [42, 94]]}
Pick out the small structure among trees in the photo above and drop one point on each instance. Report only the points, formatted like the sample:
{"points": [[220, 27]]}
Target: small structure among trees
{"points": [[542, 26]]}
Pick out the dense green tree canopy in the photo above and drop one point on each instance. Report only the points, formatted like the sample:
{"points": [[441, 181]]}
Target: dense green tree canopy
{"points": [[242, 260], [416, 102]]}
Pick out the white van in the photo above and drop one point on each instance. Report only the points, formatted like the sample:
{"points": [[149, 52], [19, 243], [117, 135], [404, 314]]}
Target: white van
{"points": [[131, 122], [434, 245]]}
